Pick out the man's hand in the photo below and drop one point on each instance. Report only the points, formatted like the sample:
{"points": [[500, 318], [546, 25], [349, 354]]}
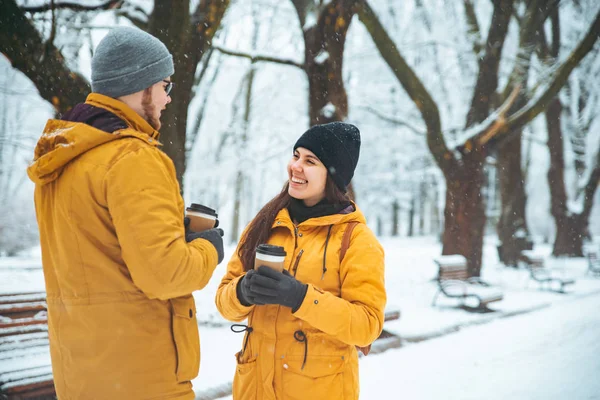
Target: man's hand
{"points": [[214, 236], [272, 287]]}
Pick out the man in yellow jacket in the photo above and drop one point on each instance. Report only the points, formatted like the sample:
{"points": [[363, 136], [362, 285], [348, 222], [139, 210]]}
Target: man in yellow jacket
{"points": [[119, 264]]}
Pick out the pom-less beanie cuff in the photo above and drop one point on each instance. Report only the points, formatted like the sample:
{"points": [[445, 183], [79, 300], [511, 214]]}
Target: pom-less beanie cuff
{"points": [[337, 145], [135, 81], [128, 60]]}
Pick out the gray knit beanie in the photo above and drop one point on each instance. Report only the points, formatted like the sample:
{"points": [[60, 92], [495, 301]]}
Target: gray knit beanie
{"points": [[128, 60]]}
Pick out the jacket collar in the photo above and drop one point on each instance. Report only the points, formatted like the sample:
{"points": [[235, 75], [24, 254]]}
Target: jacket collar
{"points": [[124, 112], [283, 218]]}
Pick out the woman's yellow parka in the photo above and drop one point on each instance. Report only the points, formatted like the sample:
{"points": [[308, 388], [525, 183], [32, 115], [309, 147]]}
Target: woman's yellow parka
{"points": [[343, 308]]}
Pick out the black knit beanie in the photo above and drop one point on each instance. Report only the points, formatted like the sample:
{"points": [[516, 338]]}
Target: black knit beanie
{"points": [[337, 145]]}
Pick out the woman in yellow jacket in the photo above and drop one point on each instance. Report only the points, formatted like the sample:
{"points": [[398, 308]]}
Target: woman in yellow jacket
{"points": [[304, 325]]}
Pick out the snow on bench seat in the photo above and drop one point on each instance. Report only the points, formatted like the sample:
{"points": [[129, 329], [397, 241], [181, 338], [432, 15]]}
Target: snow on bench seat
{"points": [[25, 367]]}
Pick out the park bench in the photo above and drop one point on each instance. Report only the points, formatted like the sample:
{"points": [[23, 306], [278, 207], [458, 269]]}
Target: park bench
{"points": [[593, 263], [454, 282], [25, 369], [540, 274]]}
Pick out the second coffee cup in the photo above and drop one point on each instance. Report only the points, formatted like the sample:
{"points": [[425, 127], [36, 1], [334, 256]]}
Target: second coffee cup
{"points": [[201, 217], [271, 256]]}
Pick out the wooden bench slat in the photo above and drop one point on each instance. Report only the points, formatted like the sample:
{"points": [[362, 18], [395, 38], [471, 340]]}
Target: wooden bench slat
{"points": [[22, 322], [20, 329], [23, 337], [8, 309], [19, 375], [24, 352], [21, 298], [392, 315], [23, 344], [28, 384]]}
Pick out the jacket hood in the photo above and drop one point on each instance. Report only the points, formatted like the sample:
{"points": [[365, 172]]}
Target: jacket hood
{"points": [[63, 141]]}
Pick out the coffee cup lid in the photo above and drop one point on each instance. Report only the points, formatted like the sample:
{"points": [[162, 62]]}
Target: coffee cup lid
{"points": [[202, 209], [271, 250]]}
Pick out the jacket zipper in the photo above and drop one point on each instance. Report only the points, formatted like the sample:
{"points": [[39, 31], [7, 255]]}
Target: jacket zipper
{"points": [[295, 267], [297, 261]]}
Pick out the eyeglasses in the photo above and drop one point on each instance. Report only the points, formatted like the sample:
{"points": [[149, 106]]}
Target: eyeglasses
{"points": [[169, 86]]}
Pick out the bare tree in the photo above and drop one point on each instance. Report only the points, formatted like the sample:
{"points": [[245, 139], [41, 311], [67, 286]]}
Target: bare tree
{"points": [[187, 33], [39, 59], [513, 232], [463, 167], [571, 224]]}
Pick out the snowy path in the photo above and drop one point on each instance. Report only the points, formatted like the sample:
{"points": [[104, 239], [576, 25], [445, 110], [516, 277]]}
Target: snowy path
{"points": [[549, 354]]}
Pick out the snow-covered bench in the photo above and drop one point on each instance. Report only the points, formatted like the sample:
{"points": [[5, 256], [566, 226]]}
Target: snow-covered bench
{"points": [[539, 273], [454, 282], [25, 370]]}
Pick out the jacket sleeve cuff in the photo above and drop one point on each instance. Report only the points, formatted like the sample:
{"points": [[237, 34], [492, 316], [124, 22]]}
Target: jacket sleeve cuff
{"points": [[311, 302], [208, 248], [237, 306]]}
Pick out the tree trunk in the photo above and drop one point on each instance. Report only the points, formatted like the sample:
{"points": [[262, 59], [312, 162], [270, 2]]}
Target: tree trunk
{"points": [[411, 218], [435, 211], [571, 228], [395, 216], [40, 61], [570, 233], [237, 200], [323, 58], [187, 37], [422, 201], [512, 226], [465, 212]]}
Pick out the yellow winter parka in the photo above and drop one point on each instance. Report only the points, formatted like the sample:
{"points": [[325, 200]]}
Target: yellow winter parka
{"points": [[311, 353], [118, 271]]}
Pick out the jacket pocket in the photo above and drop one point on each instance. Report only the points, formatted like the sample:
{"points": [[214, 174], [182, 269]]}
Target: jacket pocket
{"points": [[244, 380], [186, 337], [321, 378]]}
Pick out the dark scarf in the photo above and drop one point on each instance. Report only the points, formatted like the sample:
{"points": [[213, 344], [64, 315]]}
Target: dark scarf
{"points": [[300, 212], [97, 117]]}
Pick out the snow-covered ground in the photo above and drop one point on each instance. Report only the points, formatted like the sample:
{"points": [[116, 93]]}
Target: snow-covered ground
{"points": [[493, 355], [552, 354]]}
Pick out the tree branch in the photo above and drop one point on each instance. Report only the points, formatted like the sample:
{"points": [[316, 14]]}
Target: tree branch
{"points": [[539, 103], [107, 5], [135, 14], [258, 58], [22, 44], [411, 84], [533, 22], [393, 120], [590, 188], [500, 121], [473, 25], [487, 79]]}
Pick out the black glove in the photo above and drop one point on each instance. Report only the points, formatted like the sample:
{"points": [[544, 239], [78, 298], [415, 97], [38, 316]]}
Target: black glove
{"points": [[214, 236], [242, 290], [272, 287]]}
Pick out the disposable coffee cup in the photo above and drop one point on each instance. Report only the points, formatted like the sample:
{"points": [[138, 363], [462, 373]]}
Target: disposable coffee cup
{"points": [[201, 217], [271, 256]]}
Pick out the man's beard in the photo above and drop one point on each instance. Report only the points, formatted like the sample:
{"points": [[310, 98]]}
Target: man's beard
{"points": [[149, 109]]}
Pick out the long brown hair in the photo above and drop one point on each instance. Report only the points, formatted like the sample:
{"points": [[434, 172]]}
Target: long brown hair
{"points": [[259, 230]]}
